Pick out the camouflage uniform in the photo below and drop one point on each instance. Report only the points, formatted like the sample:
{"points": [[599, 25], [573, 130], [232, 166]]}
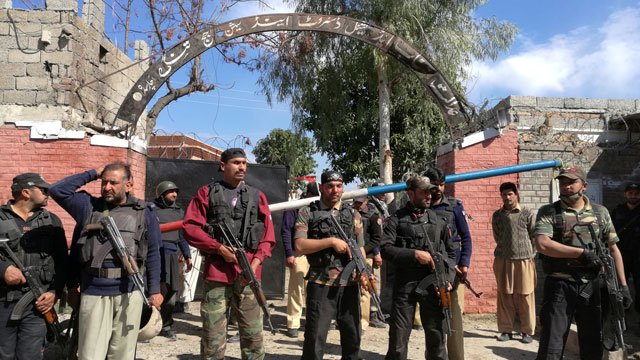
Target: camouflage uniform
{"points": [[570, 291], [218, 297]]}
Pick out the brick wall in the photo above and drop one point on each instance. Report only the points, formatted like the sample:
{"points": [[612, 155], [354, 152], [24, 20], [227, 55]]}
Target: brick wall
{"points": [[481, 198], [56, 159]]}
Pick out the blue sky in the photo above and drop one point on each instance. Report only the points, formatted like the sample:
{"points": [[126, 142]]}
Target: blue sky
{"points": [[566, 48]]}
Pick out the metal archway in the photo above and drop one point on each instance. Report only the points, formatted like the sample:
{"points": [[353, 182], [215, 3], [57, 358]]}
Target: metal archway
{"points": [[454, 107]]}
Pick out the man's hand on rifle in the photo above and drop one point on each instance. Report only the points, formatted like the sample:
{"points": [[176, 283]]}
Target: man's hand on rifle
{"points": [[13, 276], [364, 282], [461, 271], [73, 297], [290, 261], [228, 254], [424, 258], [377, 260], [626, 297], [340, 246], [156, 300], [45, 302]]}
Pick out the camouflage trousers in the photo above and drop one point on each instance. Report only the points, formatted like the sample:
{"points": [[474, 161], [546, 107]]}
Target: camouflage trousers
{"points": [[217, 299]]}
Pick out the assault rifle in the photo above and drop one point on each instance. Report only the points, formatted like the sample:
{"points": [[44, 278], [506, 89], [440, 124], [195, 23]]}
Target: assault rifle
{"points": [[610, 277], [245, 267], [35, 291], [438, 278], [467, 283], [109, 230], [358, 263]]}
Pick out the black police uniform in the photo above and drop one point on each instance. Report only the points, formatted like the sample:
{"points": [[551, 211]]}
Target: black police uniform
{"points": [[40, 243], [627, 225], [325, 298], [407, 231]]}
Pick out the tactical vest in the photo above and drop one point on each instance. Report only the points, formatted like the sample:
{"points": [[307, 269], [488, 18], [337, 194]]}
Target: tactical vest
{"points": [[320, 227], [96, 250], [572, 266], [168, 214], [34, 249], [448, 215], [414, 234], [244, 224]]}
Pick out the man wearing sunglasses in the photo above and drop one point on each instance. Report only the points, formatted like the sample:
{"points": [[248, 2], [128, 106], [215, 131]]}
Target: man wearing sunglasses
{"points": [[36, 237]]}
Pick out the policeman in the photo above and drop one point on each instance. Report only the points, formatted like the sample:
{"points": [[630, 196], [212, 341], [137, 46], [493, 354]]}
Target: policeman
{"points": [[372, 230], [109, 296], [626, 219], [36, 236], [452, 211], [571, 287], [244, 209], [168, 210], [404, 244], [328, 254]]}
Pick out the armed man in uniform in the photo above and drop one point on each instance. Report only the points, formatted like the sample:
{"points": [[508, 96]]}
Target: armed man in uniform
{"points": [[109, 296], [404, 244], [36, 236], [244, 209], [168, 211], [328, 254], [572, 286], [626, 219], [452, 211]]}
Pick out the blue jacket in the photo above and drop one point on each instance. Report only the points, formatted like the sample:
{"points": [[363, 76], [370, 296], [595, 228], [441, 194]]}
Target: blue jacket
{"points": [[80, 205], [288, 224], [462, 241]]}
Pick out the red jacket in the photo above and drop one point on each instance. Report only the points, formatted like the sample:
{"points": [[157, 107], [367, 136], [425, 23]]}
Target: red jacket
{"points": [[216, 269]]}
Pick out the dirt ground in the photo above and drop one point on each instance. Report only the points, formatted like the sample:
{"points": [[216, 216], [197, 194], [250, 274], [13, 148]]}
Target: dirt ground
{"points": [[479, 336], [480, 343]]}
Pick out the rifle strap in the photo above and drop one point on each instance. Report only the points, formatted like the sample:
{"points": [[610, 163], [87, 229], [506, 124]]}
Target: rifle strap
{"points": [[246, 217]]}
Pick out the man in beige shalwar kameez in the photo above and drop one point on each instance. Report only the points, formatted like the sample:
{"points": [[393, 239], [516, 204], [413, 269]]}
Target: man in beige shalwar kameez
{"points": [[514, 265]]}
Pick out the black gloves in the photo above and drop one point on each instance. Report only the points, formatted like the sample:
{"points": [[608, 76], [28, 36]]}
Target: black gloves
{"points": [[626, 297], [590, 260]]}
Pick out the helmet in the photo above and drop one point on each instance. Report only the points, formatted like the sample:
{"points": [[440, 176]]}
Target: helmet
{"points": [[150, 323], [164, 187]]}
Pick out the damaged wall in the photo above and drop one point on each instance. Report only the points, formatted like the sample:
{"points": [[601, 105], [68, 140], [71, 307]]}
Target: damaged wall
{"points": [[48, 54], [525, 129]]}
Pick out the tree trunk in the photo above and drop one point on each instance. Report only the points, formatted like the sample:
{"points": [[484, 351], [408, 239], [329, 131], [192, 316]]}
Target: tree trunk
{"points": [[384, 103]]}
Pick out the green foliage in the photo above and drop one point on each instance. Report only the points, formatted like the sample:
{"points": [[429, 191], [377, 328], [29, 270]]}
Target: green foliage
{"points": [[332, 81], [285, 147]]}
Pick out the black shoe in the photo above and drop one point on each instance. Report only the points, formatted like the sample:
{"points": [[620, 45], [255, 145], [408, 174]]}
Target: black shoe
{"points": [[526, 339], [377, 323], [504, 337], [234, 338], [292, 333], [169, 334], [179, 308]]}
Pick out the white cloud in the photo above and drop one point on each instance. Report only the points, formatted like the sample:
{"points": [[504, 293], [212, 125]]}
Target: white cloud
{"points": [[591, 62]]}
